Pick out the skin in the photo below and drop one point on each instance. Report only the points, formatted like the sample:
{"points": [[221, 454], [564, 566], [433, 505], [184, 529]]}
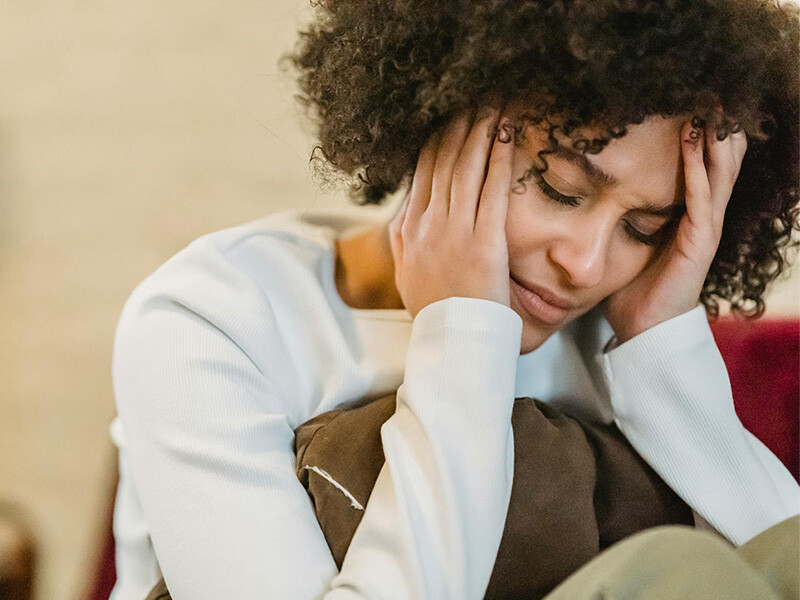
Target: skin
{"points": [[582, 253]]}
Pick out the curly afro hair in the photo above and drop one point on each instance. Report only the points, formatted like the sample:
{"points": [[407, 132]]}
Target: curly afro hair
{"points": [[378, 78]]}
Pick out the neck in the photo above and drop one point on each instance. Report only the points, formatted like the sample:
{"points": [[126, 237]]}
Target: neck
{"points": [[364, 270]]}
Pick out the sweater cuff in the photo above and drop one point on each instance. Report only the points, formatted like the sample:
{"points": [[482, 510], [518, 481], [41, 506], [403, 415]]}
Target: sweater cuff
{"points": [[669, 338], [650, 357], [685, 328], [461, 350], [471, 313]]}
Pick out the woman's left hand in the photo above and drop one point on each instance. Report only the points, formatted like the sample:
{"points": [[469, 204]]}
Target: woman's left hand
{"points": [[671, 284]]}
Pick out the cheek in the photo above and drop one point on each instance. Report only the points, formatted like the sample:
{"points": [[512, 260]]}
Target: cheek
{"points": [[527, 225], [529, 213], [627, 261]]}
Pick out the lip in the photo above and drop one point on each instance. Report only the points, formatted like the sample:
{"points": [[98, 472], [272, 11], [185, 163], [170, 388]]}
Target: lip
{"points": [[545, 294], [542, 303]]}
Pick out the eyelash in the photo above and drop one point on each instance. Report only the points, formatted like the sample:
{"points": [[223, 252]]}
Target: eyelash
{"points": [[553, 194]]}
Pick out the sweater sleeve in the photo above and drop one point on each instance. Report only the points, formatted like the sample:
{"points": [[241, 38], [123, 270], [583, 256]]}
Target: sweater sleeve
{"points": [[209, 433], [671, 397], [209, 446], [433, 523]]}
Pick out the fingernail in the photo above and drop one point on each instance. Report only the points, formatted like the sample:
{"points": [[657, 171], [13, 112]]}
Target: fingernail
{"points": [[505, 132]]}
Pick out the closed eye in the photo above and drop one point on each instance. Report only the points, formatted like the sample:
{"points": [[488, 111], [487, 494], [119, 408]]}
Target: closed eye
{"points": [[651, 239], [554, 194], [648, 239]]}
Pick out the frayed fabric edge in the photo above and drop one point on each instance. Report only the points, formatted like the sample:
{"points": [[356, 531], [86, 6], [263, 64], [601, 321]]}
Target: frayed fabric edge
{"points": [[327, 476]]}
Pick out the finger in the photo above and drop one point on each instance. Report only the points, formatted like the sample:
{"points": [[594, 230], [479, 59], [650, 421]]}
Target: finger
{"points": [[423, 178], [493, 203], [698, 191], [470, 170], [396, 223], [739, 146], [455, 135], [720, 167], [717, 151], [724, 164]]}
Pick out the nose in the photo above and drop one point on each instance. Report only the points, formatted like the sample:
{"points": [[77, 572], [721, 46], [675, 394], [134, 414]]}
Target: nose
{"points": [[581, 253]]}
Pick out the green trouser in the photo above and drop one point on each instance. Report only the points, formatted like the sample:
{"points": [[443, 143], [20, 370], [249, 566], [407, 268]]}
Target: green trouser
{"points": [[679, 562]]}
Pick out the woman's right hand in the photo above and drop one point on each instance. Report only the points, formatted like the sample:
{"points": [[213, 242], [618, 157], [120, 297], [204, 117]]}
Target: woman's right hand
{"points": [[448, 239]]}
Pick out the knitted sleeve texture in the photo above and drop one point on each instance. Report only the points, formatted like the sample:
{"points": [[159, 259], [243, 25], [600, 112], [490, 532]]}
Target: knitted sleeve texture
{"points": [[671, 397]]}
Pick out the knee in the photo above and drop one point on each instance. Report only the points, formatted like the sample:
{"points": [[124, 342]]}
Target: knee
{"points": [[678, 561], [663, 543]]}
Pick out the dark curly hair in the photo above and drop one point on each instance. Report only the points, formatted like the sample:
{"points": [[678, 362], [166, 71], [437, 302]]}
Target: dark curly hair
{"points": [[378, 78]]}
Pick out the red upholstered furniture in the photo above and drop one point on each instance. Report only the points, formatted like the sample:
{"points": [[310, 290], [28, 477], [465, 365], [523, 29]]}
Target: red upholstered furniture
{"points": [[763, 359]]}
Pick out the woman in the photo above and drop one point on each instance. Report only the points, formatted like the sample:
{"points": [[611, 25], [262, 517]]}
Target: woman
{"points": [[653, 171]]}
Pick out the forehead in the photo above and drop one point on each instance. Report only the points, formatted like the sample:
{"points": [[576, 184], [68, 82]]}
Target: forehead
{"points": [[645, 163]]}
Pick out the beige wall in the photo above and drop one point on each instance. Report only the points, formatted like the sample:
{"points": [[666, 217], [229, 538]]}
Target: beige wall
{"points": [[126, 130]]}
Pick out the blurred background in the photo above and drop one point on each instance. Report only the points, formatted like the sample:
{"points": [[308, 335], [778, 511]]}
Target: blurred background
{"points": [[127, 129]]}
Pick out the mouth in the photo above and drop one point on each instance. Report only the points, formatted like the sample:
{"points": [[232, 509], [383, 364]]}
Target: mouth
{"points": [[542, 303]]}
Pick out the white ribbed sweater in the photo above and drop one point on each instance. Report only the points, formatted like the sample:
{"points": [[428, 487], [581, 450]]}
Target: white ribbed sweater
{"points": [[242, 336]]}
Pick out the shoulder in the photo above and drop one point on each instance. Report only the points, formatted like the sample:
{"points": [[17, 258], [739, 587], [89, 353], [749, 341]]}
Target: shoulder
{"points": [[235, 270], [228, 291]]}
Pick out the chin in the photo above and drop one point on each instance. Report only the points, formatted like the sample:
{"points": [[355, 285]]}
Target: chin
{"points": [[534, 332], [534, 335]]}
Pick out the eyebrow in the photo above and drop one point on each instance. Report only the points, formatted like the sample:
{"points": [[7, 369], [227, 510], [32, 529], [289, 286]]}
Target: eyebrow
{"points": [[601, 178], [673, 210], [595, 173]]}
